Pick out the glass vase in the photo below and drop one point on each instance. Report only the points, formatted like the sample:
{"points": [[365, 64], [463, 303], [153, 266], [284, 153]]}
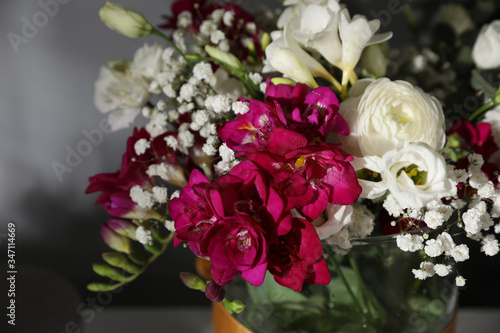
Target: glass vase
{"points": [[373, 289]]}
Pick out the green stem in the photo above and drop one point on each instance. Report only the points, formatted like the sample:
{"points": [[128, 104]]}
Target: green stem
{"points": [[148, 262], [338, 270], [172, 44], [481, 110]]}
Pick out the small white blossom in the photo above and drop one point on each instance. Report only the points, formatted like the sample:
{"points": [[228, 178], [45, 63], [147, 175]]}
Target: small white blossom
{"points": [[159, 170], [141, 146], [209, 149], [202, 71], [392, 206], [157, 125], [251, 28], [216, 15], [207, 27], [447, 242], [170, 225], [240, 107], [143, 235], [185, 139], [340, 239], [187, 92], [433, 219], [487, 190], [228, 18], [179, 40], [472, 221], [442, 270], [460, 253], [175, 194], [476, 159], [221, 103], [490, 245], [263, 87], [460, 281], [458, 203], [497, 228], [459, 175], [226, 153], [217, 36], [184, 20], [410, 243], [223, 167], [161, 105], [207, 130], [426, 270], [433, 248], [171, 142], [486, 221], [224, 45], [477, 178], [160, 194], [256, 78], [173, 115], [141, 197]]}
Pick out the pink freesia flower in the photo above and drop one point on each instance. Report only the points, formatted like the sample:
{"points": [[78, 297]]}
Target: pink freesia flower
{"points": [[297, 257], [309, 175], [313, 113]]}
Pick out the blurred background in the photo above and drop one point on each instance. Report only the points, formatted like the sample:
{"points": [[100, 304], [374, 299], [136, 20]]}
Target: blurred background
{"points": [[46, 105]]}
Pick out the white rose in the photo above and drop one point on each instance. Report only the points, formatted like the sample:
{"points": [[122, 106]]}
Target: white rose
{"points": [[148, 61], [416, 174], [382, 113], [120, 94], [486, 50], [333, 219]]}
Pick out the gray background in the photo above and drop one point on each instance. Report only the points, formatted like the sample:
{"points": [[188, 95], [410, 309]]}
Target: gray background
{"points": [[46, 101]]}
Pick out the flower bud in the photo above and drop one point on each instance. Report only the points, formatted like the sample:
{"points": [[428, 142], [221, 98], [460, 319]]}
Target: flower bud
{"points": [[233, 64], [373, 60], [486, 50], [122, 227], [115, 241], [214, 292], [192, 281], [236, 306], [118, 260], [125, 21]]}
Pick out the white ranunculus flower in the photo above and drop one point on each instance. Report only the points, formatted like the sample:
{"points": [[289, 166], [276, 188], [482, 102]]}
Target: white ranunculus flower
{"points": [[486, 50], [148, 61], [382, 113], [125, 21], [416, 174], [120, 94]]}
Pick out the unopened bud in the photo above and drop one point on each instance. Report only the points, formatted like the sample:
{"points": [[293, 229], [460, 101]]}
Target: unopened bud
{"points": [[192, 281], [214, 292], [125, 21], [115, 241]]}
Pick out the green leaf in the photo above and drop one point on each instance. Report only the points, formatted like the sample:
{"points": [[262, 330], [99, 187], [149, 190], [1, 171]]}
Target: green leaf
{"points": [[479, 83], [96, 287], [118, 260], [110, 272]]}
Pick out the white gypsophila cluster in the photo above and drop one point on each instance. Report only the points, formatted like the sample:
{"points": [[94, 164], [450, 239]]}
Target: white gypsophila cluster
{"points": [[141, 197], [410, 243], [425, 271], [256, 78], [170, 225], [490, 245], [210, 146], [460, 281], [228, 160], [160, 194], [433, 248], [199, 119], [392, 206], [184, 19], [141, 146], [240, 107], [202, 71], [172, 142], [442, 270], [185, 138], [157, 124], [218, 103], [143, 235], [460, 253], [433, 219]]}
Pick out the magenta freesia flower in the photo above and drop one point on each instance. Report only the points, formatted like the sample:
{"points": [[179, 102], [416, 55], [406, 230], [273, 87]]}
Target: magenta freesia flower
{"points": [[236, 244], [309, 175], [314, 113], [297, 257]]}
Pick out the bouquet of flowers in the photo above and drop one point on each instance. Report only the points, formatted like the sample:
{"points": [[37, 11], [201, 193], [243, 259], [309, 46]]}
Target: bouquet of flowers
{"points": [[276, 142]]}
